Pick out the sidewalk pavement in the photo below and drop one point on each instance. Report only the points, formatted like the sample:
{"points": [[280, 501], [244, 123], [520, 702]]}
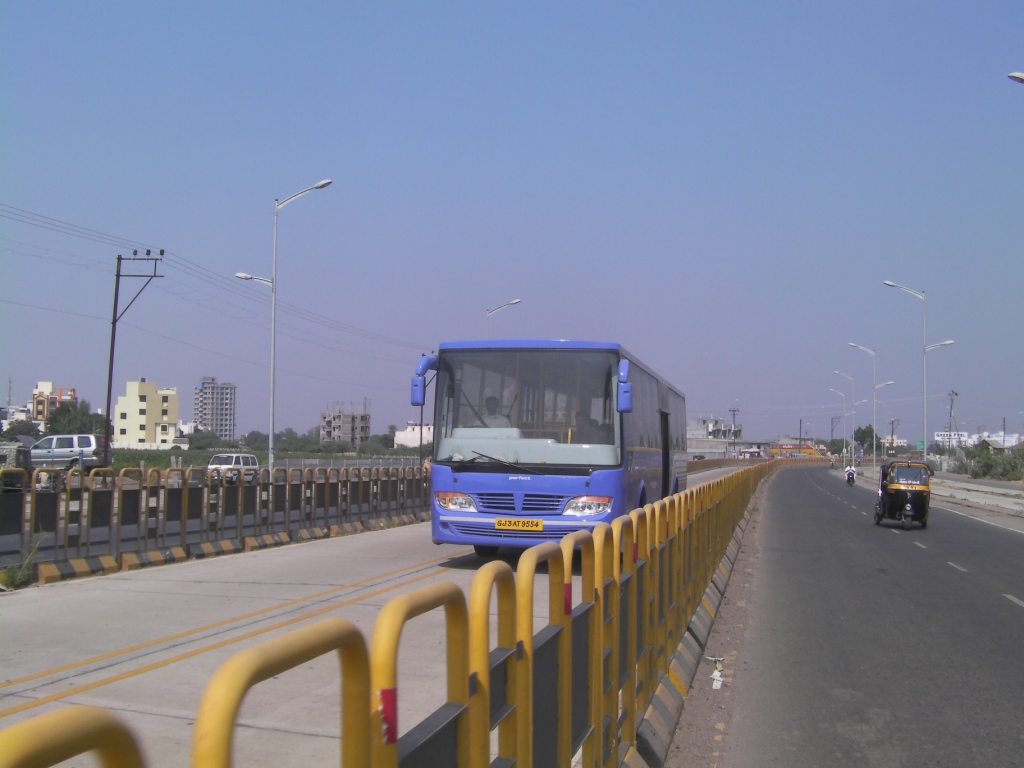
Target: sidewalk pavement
{"points": [[1008, 498]]}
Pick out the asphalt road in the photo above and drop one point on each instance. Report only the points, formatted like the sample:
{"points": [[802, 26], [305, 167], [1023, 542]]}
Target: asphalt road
{"points": [[871, 646]]}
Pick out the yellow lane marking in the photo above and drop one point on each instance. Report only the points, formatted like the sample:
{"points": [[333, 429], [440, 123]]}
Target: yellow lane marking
{"points": [[216, 624], [212, 647]]}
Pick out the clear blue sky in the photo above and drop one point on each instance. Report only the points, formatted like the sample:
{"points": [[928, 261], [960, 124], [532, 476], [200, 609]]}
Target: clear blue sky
{"points": [[720, 187]]}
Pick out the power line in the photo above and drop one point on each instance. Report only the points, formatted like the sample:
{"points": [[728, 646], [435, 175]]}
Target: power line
{"points": [[197, 272]]}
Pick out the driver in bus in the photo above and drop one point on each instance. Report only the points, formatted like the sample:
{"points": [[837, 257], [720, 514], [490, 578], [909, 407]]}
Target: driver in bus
{"points": [[586, 430], [493, 418]]}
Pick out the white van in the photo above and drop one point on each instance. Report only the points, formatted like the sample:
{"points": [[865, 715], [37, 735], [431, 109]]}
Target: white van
{"points": [[232, 464]]}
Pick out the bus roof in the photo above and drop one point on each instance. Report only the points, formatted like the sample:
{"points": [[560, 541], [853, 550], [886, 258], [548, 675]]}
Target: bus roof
{"points": [[529, 344]]}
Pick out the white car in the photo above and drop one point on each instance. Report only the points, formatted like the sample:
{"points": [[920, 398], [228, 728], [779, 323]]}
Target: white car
{"points": [[233, 464]]}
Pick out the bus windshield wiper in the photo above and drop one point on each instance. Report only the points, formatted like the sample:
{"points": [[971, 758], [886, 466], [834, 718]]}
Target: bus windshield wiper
{"points": [[520, 467]]}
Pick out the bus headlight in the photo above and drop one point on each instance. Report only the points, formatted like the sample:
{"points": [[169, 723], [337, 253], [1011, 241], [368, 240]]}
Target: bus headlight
{"points": [[454, 501], [583, 506]]}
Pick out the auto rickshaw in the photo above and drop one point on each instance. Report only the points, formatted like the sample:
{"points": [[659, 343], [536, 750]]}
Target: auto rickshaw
{"points": [[903, 492]]}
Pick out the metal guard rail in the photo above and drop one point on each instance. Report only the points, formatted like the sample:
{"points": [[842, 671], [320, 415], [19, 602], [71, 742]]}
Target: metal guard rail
{"points": [[642, 580]]}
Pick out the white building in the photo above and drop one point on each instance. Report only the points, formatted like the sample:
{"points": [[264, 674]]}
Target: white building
{"points": [[145, 416], [891, 441], [410, 436], [1006, 440]]}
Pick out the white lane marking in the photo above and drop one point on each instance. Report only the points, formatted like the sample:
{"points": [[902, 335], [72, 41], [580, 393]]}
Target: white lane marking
{"points": [[958, 567], [1015, 600], [863, 513], [894, 530], [919, 544], [980, 520]]}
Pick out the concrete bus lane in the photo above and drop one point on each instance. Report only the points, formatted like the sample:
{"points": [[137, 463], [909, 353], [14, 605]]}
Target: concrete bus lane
{"points": [[145, 643], [846, 643]]}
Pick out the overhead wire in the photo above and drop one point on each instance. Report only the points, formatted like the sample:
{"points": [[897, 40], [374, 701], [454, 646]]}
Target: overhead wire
{"points": [[219, 353], [198, 272]]}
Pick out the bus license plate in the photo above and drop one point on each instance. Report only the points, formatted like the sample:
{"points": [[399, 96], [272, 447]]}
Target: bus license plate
{"points": [[518, 524]]}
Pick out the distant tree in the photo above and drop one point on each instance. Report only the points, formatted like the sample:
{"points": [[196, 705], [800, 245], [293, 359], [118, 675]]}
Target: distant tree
{"points": [[864, 436], [75, 419], [256, 441], [836, 446], [17, 427], [313, 432], [205, 441]]}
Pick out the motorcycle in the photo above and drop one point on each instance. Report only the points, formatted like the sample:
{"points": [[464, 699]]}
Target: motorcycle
{"points": [[904, 493], [850, 476]]}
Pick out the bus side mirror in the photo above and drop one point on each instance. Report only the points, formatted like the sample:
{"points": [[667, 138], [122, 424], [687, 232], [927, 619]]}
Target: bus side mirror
{"points": [[624, 389], [419, 388], [624, 397]]}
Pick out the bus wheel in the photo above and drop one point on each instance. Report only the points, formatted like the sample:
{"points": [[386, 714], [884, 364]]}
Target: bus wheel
{"points": [[482, 551]]}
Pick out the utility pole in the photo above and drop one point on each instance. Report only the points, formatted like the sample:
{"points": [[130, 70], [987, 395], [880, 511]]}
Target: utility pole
{"points": [[893, 423], [734, 411], [832, 431], [949, 432], [113, 334]]}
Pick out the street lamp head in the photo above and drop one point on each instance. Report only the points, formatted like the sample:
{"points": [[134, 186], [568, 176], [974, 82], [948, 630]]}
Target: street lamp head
{"points": [[322, 184], [1018, 76], [884, 384], [243, 275], [858, 346], [515, 301], [890, 283], [844, 375]]}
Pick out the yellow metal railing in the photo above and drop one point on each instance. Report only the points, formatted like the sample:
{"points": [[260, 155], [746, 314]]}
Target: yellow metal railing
{"points": [[643, 576]]}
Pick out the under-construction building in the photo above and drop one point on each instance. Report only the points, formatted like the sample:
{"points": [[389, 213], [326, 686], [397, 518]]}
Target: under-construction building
{"points": [[345, 426]]}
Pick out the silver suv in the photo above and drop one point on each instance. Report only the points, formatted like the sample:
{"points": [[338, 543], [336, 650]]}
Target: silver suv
{"points": [[67, 451], [231, 464]]}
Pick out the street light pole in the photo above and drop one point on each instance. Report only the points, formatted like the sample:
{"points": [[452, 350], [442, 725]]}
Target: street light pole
{"points": [[272, 282], [487, 317], [874, 409], [853, 417], [842, 395], [924, 344]]}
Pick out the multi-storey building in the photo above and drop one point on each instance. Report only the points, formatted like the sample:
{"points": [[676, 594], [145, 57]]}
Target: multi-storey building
{"points": [[45, 399], [214, 407], [338, 425], [145, 414]]}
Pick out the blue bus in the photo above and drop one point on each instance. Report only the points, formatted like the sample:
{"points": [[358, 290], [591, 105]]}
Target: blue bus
{"points": [[534, 439]]}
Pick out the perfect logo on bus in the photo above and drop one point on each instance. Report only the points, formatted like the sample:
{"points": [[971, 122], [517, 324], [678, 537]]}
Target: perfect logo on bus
{"points": [[518, 477]]}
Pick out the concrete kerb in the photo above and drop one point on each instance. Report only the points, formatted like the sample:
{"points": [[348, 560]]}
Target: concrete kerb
{"points": [[206, 549], [656, 730], [132, 561], [76, 567], [79, 567]]}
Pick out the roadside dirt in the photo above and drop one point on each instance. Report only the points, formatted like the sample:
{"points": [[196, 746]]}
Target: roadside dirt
{"points": [[701, 738]]}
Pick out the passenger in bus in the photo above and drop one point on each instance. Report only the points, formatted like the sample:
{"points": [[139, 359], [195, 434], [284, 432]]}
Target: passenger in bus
{"points": [[493, 418], [586, 429]]}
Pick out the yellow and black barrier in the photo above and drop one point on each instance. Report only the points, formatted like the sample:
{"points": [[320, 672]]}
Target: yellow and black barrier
{"points": [[571, 692], [70, 519]]}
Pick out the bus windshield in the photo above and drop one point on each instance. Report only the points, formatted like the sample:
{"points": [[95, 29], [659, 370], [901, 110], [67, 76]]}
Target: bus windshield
{"points": [[526, 407]]}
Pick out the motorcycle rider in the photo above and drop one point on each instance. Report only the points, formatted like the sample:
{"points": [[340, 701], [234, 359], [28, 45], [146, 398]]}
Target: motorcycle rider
{"points": [[850, 472]]}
